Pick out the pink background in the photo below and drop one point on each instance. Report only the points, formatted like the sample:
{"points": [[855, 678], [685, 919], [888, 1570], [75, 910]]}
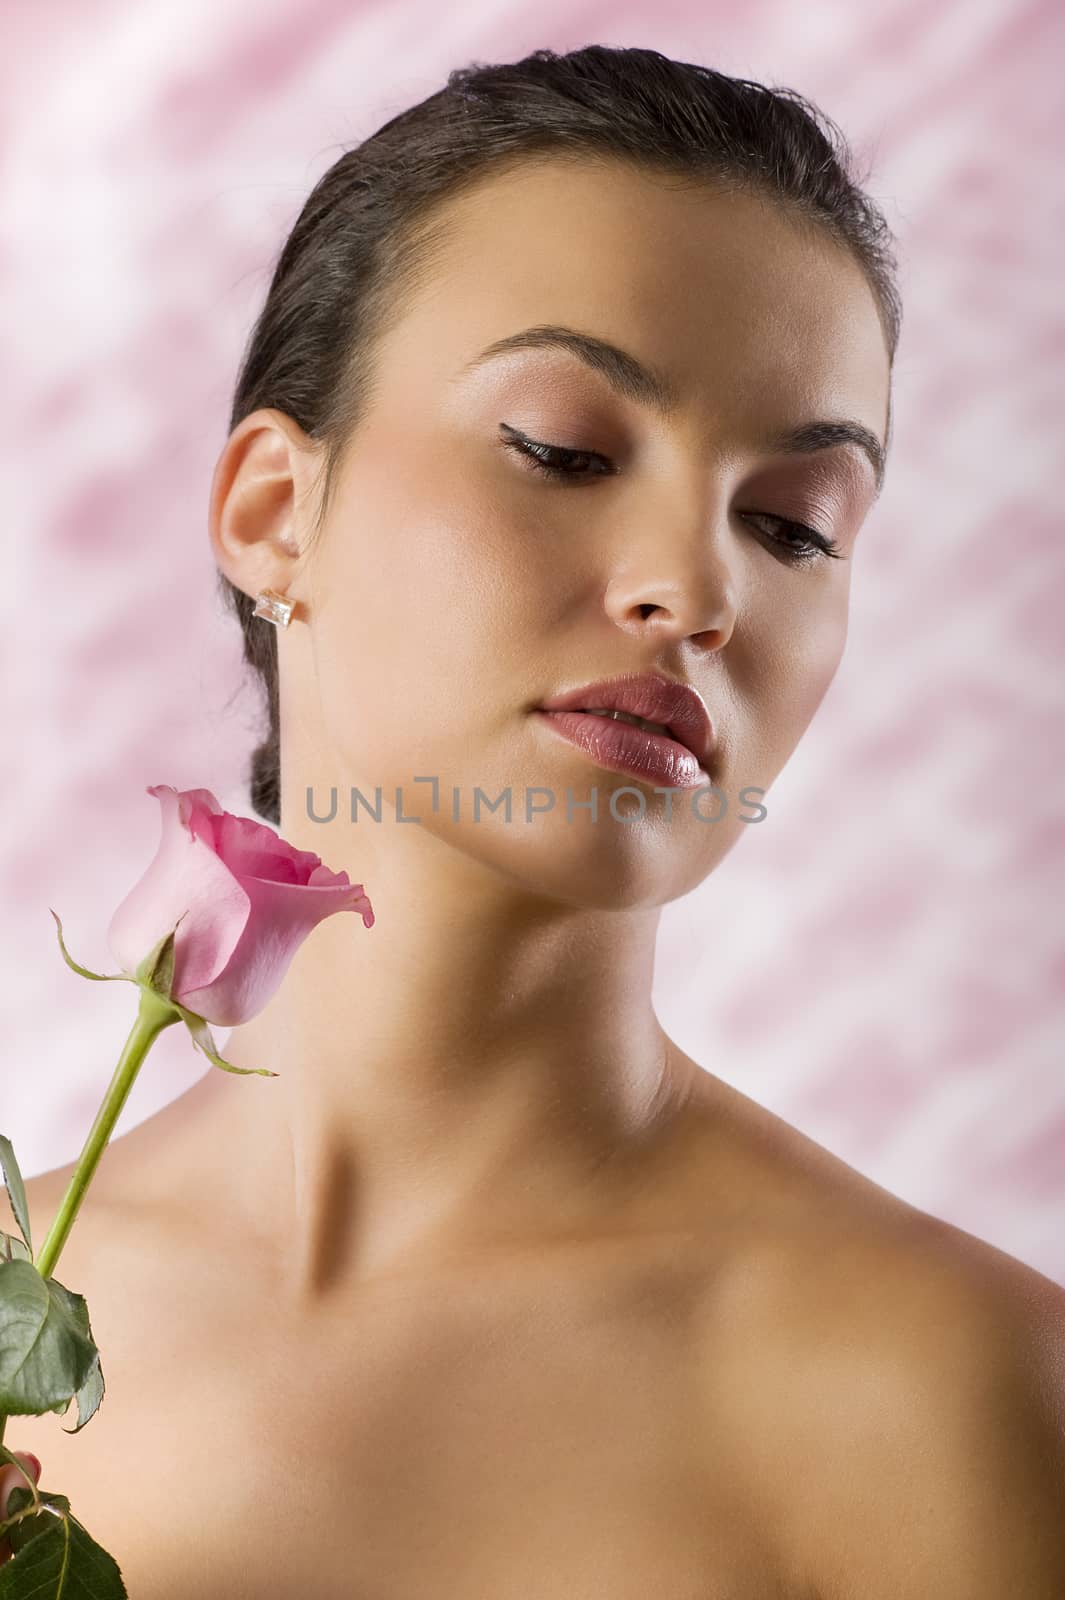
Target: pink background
{"points": [[883, 961]]}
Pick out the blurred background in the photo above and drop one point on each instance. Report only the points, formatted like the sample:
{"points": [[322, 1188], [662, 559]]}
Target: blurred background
{"points": [[882, 962]]}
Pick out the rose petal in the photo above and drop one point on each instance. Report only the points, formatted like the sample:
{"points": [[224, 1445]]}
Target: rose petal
{"points": [[251, 849], [280, 918], [186, 876]]}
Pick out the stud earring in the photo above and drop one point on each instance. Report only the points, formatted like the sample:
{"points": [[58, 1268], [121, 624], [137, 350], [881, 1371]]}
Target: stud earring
{"points": [[274, 607]]}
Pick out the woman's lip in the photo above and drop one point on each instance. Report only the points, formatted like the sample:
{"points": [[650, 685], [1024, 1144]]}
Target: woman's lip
{"points": [[622, 747]]}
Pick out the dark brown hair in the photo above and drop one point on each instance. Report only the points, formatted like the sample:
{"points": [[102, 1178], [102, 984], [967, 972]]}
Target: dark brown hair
{"points": [[368, 233]]}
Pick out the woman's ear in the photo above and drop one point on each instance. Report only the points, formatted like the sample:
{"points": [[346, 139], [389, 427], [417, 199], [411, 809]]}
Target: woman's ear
{"points": [[258, 505]]}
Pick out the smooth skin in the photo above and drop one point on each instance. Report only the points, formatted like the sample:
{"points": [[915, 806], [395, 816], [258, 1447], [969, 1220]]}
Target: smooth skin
{"points": [[494, 1289], [481, 1055]]}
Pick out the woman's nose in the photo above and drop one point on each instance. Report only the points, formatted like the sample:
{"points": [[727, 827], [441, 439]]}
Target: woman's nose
{"points": [[682, 590]]}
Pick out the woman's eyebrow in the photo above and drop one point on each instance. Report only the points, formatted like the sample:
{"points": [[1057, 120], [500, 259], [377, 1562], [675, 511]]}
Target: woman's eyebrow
{"points": [[636, 380]]}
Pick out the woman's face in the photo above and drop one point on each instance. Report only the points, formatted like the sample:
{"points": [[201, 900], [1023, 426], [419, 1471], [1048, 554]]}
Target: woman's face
{"points": [[455, 587]]}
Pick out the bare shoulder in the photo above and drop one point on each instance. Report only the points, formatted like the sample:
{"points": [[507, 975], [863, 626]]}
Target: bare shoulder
{"points": [[902, 1386], [944, 1398]]}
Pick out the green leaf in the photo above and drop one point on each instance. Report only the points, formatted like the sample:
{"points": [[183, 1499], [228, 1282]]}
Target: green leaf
{"points": [[55, 1558], [16, 1194], [101, 977], [91, 1391], [12, 1249], [204, 1041], [47, 1354]]}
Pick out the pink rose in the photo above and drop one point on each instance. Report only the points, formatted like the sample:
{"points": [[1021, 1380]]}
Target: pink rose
{"points": [[247, 901]]}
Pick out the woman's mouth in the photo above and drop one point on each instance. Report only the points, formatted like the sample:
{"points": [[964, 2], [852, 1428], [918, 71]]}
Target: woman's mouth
{"points": [[621, 742], [626, 716]]}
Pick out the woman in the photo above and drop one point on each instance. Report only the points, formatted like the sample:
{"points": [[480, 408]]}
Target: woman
{"points": [[572, 389]]}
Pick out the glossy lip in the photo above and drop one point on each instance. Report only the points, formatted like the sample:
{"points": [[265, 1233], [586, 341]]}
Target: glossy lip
{"points": [[622, 747], [678, 706]]}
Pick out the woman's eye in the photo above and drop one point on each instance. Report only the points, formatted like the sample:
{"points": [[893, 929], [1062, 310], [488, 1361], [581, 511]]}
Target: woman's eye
{"points": [[555, 460], [814, 545], [563, 464]]}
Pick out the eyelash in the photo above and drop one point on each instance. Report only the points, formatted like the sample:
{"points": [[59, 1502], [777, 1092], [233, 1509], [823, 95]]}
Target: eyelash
{"points": [[544, 458]]}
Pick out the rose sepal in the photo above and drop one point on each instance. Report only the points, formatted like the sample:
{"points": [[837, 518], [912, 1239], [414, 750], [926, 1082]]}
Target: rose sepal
{"points": [[100, 977], [203, 1040]]}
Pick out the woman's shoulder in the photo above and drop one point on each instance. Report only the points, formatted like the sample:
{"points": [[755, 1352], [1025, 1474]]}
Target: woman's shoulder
{"points": [[876, 1353], [821, 1220]]}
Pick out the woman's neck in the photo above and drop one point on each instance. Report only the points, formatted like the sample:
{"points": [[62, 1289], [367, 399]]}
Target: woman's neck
{"points": [[438, 1090]]}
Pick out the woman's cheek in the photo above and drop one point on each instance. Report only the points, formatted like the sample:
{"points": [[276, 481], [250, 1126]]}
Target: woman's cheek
{"points": [[815, 666]]}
